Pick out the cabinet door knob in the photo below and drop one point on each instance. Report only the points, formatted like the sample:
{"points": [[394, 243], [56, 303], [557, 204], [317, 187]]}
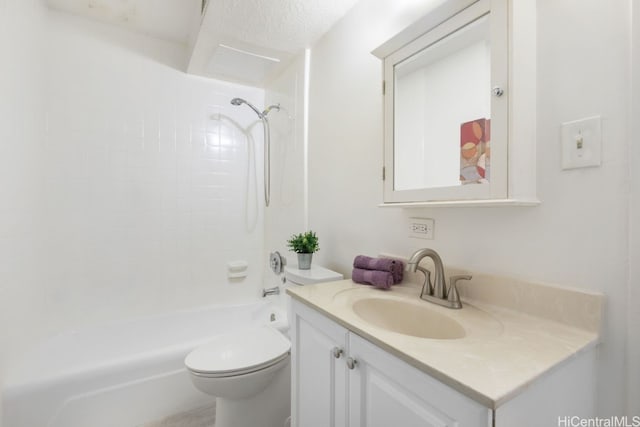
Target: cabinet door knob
{"points": [[351, 363], [337, 352]]}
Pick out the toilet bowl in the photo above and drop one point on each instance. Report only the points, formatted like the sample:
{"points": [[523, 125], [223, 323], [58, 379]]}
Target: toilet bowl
{"points": [[248, 372]]}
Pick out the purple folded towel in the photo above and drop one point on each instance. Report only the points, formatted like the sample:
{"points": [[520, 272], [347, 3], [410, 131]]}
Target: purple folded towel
{"points": [[377, 278], [394, 266]]}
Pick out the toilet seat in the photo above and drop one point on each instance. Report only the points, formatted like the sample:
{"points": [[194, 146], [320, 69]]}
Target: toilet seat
{"points": [[267, 366], [239, 353]]}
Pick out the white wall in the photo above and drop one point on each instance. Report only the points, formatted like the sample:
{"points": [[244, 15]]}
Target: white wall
{"points": [[633, 353], [577, 237], [21, 132], [286, 214], [139, 176]]}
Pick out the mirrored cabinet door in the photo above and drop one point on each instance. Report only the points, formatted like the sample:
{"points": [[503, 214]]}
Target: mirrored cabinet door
{"points": [[442, 112], [446, 106]]}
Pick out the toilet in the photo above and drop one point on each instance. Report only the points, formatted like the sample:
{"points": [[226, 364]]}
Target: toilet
{"points": [[248, 371]]}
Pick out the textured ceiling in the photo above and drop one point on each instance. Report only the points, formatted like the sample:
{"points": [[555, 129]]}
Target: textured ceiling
{"points": [[286, 25], [166, 19], [248, 30], [277, 29]]}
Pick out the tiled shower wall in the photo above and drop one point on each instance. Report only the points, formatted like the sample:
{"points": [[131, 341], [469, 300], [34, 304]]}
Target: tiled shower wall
{"points": [[146, 182], [21, 112], [146, 176]]}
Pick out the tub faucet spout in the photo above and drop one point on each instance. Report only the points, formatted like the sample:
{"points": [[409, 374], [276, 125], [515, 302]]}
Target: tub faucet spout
{"points": [[270, 291]]}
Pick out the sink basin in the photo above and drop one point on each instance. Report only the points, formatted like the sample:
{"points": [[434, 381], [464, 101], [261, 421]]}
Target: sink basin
{"points": [[407, 318]]}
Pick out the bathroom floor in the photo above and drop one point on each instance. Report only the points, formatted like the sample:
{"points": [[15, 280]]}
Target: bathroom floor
{"points": [[204, 416]]}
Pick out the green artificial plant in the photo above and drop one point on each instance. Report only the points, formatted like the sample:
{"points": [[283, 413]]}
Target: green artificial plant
{"points": [[304, 243]]}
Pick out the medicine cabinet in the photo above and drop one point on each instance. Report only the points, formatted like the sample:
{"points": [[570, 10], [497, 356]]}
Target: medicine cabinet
{"points": [[459, 106]]}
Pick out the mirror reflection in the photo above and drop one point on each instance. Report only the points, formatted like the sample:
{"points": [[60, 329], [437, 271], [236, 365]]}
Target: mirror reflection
{"points": [[442, 112]]}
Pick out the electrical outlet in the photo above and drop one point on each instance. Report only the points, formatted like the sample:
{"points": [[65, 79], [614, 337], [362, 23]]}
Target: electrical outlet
{"points": [[421, 228]]}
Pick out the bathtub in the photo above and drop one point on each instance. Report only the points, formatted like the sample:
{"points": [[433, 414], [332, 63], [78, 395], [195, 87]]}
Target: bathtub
{"points": [[121, 374]]}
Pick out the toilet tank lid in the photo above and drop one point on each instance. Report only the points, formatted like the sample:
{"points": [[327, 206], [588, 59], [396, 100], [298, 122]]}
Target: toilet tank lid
{"points": [[316, 274]]}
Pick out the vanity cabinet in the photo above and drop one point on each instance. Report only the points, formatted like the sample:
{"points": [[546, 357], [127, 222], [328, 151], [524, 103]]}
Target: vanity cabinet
{"points": [[340, 379]]}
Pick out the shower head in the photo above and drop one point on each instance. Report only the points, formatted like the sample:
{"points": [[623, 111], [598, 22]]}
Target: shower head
{"points": [[240, 101], [271, 107]]}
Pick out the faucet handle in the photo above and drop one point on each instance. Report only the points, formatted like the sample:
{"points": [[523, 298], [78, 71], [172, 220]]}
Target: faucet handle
{"points": [[427, 288], [453, 296]]}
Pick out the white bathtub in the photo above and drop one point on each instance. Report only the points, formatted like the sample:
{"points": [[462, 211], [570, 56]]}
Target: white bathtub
{"points": [[122, 374]]}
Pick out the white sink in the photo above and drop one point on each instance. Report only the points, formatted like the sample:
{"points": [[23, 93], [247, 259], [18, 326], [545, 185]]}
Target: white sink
{"points": [[408, 318]]}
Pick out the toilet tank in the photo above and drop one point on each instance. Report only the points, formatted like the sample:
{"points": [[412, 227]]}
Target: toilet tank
{"points": [[296, 277], [316, 274]]}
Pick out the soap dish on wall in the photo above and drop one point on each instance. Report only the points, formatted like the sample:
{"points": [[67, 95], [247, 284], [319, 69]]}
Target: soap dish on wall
{"points": [[237, 269]]}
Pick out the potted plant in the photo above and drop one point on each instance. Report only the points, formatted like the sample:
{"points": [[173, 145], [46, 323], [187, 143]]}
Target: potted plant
{"points": [[304, 244]]}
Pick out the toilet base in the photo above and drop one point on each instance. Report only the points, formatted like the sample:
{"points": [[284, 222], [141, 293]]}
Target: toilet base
{"points": [[269, 408]]}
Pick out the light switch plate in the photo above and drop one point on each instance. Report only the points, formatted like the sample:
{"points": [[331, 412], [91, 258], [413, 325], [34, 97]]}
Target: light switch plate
{"points": [[582, 143]]}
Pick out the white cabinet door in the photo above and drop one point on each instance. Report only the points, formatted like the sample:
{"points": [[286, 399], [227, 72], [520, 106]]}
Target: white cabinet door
{"points": [[385, 391], [319, 374]]}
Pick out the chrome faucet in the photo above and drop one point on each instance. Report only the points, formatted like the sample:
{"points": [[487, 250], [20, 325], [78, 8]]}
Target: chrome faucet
{"points": [[270, 291], [438, 292]]}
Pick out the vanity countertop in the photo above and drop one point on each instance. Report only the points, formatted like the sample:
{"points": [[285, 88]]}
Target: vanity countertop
{"points": [[495, 361]]}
